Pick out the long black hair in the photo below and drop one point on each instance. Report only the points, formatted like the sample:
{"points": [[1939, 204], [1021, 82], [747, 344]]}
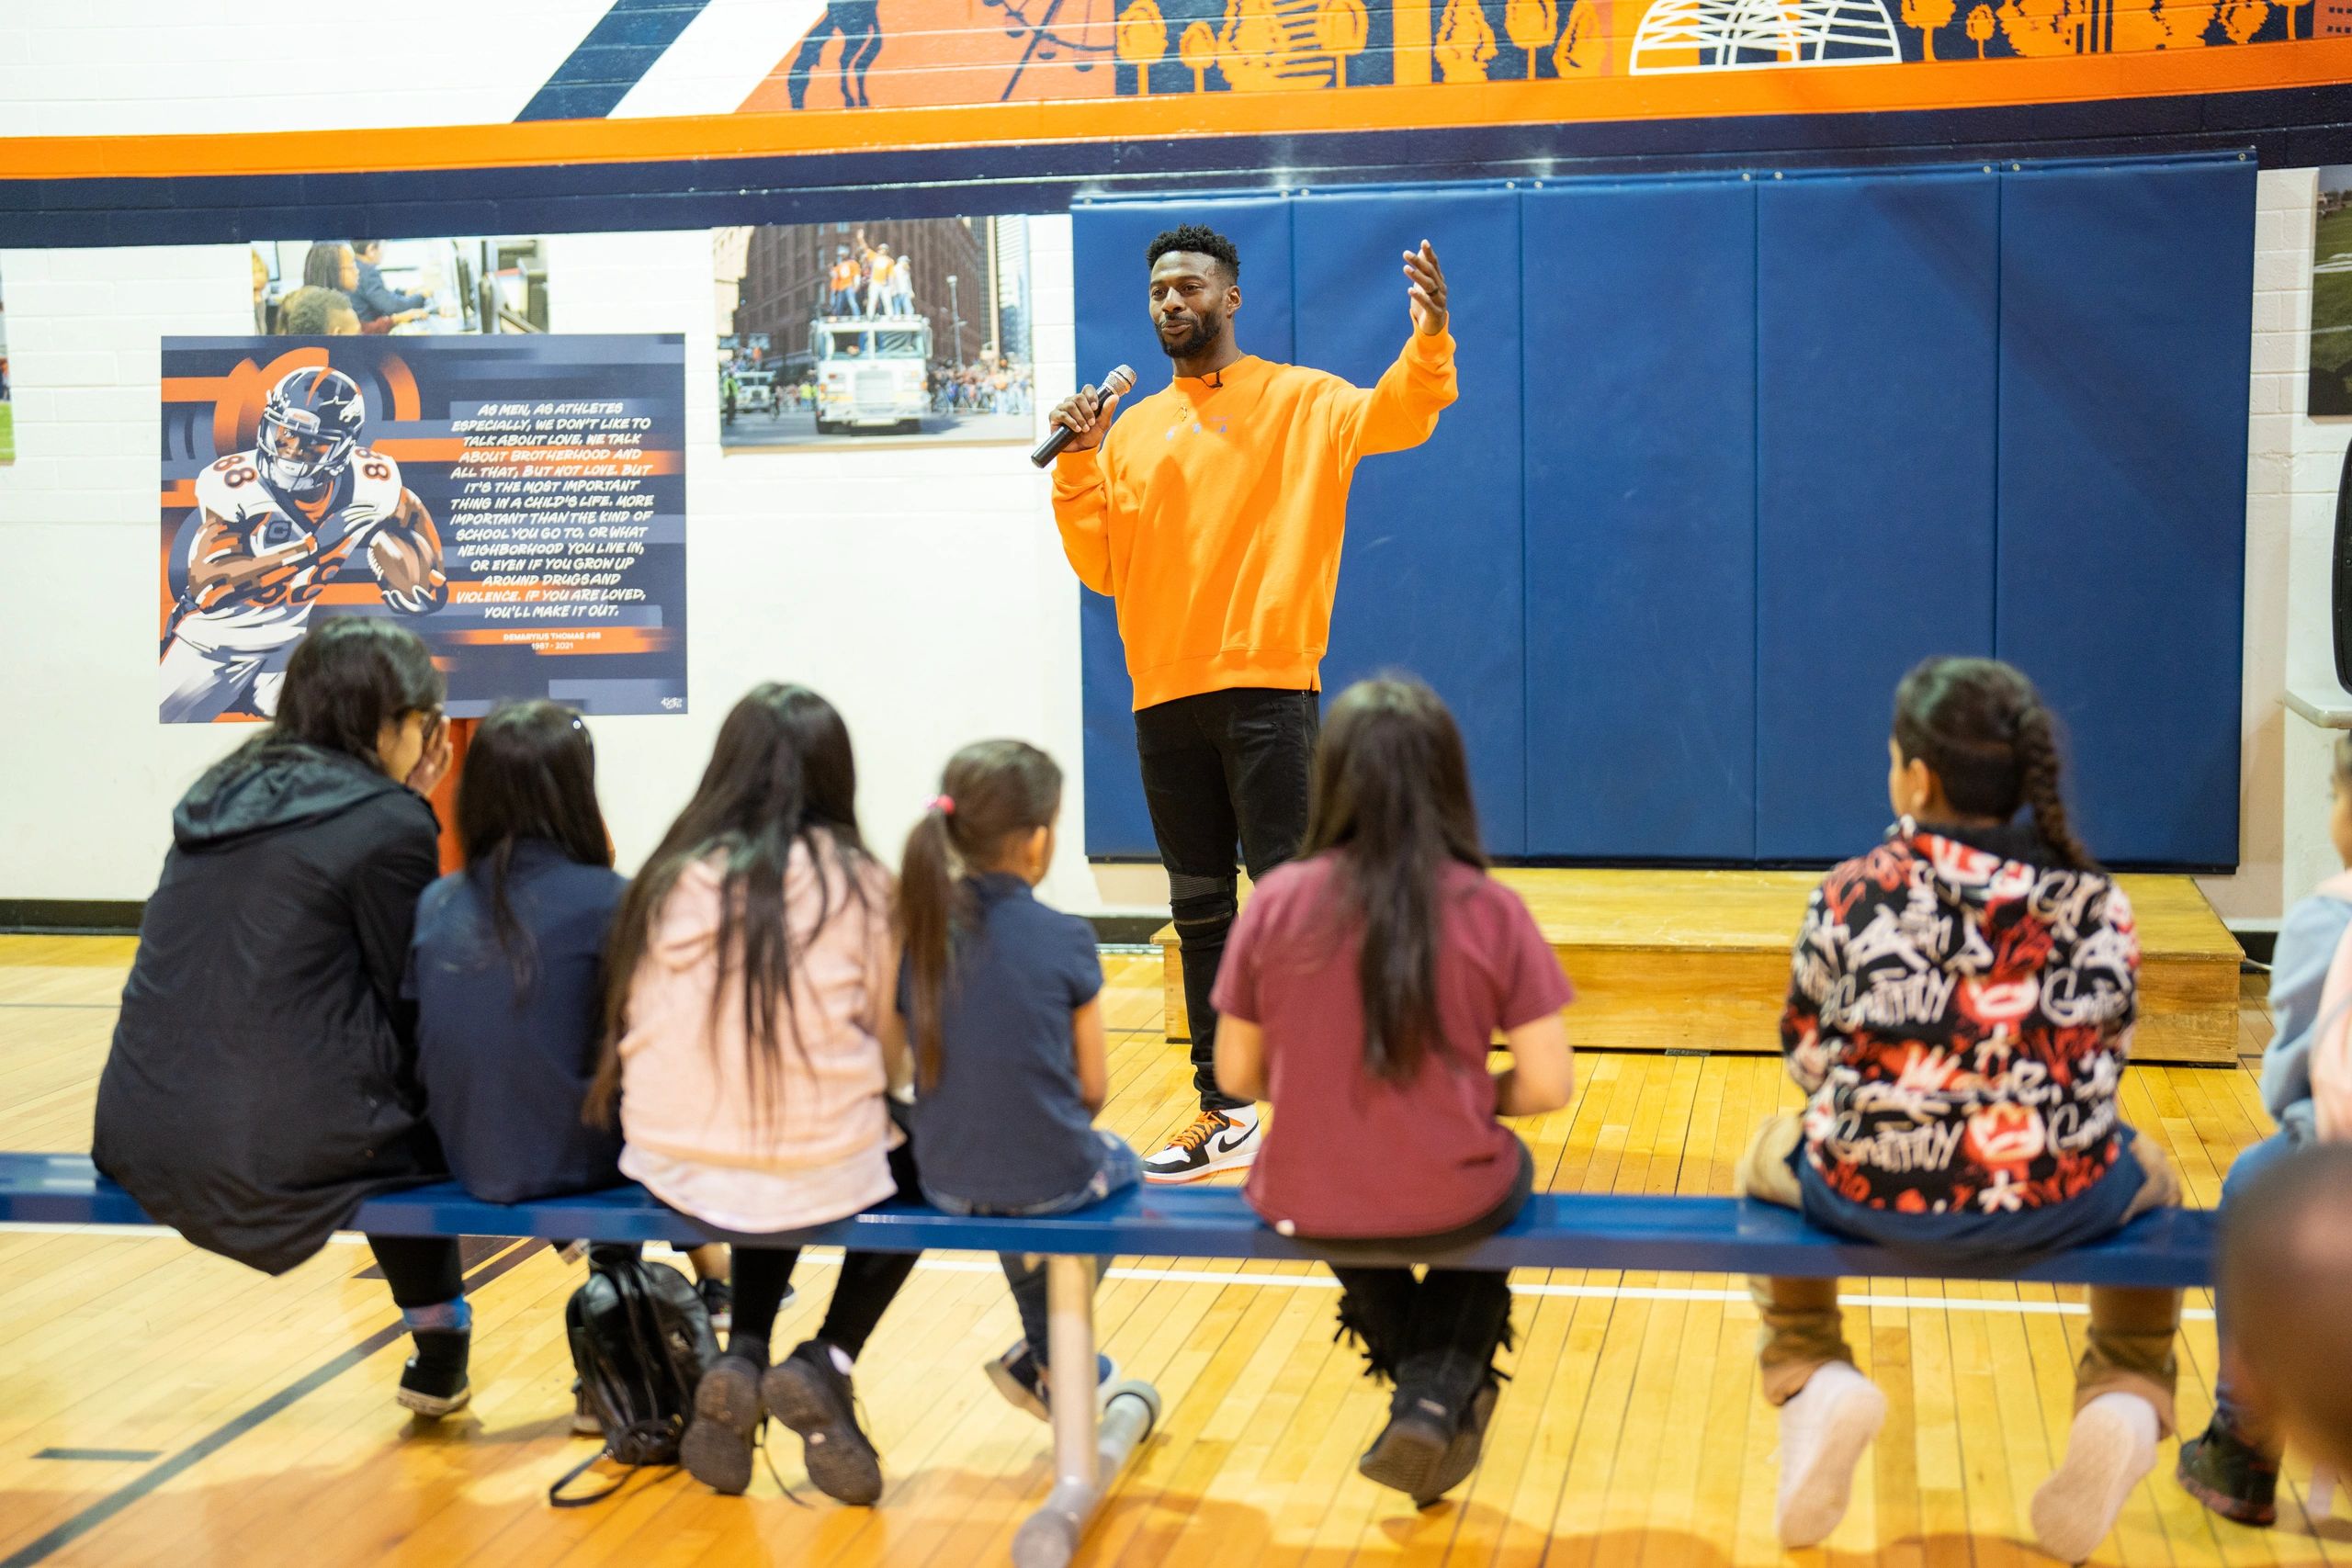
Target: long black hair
{"points": [[323, 266], [530, 773], [993, 792], [1985, 732], [1391, 789], [347, 678], [781, 774]]}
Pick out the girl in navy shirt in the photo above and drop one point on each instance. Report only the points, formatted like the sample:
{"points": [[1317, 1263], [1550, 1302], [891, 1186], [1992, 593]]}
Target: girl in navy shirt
{"points": [[1002, 994], [506, 971]]}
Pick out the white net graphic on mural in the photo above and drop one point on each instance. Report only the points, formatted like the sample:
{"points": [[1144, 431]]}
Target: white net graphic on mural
{"points": [[1746, 35]]}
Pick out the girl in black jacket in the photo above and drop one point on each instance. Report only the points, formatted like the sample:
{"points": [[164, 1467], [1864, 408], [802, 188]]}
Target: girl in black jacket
{"points": [[263, 1079]]}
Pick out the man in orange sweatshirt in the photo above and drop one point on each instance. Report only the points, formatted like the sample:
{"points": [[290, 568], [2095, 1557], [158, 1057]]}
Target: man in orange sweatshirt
{"points": [[1213, 513]]}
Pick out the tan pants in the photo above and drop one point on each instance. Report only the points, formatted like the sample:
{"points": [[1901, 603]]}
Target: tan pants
{"points": [[2128, 1349]]}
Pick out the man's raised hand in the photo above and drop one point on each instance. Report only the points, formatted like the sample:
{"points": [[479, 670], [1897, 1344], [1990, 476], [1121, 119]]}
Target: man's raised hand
{"points": [[1087, 416], [1426, 296]]}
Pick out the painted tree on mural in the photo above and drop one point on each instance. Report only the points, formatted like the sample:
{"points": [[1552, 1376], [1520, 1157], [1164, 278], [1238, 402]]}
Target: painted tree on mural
{"points": [[1197, 49], [1980, 28], [1251, 47], [1341, 30], [2243, 18], [1532, 25], [2042, 28], [1584, 42], [1465, 43], [1926, 15], [2168, 23], [1142, 39]]}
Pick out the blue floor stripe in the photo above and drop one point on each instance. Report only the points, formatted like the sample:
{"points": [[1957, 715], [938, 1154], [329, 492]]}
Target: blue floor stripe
{"points": [[614, 56]]}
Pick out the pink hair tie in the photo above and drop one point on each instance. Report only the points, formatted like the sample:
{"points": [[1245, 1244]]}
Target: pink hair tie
{"points": [[945, 805]]}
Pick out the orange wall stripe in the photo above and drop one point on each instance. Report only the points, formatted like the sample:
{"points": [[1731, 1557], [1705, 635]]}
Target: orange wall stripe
{"points": [[1845, 89]]}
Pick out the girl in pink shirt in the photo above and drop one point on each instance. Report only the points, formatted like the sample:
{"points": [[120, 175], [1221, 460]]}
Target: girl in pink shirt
{"points": [[752, 1043], [1363, 990]]}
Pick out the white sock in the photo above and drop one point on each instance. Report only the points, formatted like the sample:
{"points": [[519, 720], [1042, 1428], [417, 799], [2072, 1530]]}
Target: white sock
{"points": [[2111, 1449], [1824, 1430], [841, 1363]]}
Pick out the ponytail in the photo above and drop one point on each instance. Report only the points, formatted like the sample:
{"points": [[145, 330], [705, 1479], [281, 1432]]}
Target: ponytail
{"points": [[2038, 770], [993, 792], [927, 915]]}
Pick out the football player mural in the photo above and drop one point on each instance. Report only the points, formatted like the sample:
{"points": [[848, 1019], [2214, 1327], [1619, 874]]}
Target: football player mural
{"points": [[270, 529]]}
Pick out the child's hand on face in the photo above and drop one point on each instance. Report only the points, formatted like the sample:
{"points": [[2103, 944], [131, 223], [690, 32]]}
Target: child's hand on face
{"points": [[2339, 820]]}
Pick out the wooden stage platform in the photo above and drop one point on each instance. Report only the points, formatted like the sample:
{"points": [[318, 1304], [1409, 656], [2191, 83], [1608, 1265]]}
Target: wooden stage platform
{"points": [[1699, 960]]}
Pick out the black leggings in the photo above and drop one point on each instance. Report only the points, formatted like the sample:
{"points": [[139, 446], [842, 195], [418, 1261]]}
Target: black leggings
{"points": [[1438, 1333], [869, 1281], [423, 1270]]}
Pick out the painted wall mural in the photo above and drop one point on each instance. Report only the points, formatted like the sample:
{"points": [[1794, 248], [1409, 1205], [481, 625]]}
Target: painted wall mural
{"points": [[913, 53]]}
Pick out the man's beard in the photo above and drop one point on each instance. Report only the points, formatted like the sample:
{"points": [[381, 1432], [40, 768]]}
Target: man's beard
{"points": [[1204, 332]]}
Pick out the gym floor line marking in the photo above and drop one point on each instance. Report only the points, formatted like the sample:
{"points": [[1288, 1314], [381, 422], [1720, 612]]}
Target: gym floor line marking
{"points": [[827, 1258], [101, 1455], [830, 1257], [147, 1481]]}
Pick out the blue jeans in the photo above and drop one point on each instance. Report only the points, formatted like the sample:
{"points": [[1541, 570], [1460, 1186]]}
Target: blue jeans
{"points": [[2252, 1161], [1122, 1167]]}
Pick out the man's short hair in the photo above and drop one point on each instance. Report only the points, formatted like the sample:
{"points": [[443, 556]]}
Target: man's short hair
{"points": [[1197, 239], [311, 312], [361, 247]]}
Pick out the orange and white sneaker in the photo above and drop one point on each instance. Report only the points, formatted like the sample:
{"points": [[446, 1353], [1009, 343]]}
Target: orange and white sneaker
{"points": [[1217, 1140]]}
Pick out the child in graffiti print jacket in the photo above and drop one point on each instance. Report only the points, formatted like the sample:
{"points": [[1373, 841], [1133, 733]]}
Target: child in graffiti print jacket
{"points": [[1960, 1010]]}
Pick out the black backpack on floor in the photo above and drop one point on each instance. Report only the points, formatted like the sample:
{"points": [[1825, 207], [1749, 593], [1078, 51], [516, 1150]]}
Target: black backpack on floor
{"points": [[641, 1341]]}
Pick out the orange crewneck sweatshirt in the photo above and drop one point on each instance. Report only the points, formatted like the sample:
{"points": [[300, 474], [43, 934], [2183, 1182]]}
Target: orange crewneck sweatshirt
{"points": [[1213, 514]]}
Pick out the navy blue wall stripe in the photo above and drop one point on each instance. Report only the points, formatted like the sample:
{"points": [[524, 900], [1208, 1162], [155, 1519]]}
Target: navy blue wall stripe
{"points": [[2283, 128], [614, 56]]}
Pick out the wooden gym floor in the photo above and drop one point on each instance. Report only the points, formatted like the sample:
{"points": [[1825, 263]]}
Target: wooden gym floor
{"points": [[159, 1405]]}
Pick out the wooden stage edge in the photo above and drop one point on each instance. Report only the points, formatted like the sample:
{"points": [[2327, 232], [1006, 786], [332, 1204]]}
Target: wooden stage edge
{"points": [[1699, 960]]}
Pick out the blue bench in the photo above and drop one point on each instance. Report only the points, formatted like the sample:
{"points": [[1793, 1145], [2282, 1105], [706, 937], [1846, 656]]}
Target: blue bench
{"points": [[1556, 1230], [1093, 1438]]}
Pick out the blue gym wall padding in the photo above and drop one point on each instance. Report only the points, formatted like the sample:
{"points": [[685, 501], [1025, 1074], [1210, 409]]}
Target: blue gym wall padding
{"points": [[1732, 453], [1430, 576], [2126, 334], [1641, 520], [1875, 361]]}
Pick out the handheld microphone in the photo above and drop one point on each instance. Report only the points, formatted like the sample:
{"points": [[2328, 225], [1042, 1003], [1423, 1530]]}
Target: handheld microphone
{"points": [[1118, 383]]}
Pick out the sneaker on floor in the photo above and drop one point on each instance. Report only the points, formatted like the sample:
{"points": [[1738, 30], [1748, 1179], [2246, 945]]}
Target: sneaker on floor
{"points": [[717, 1449], [2230, 1476], [1824, 1430], [1411, 1451], [719, 1301], [2112, 1446], [1021, 1378], [809, 1393], [585, 1422], [1217, 1140], [1461, 1456], [434, 1383]]}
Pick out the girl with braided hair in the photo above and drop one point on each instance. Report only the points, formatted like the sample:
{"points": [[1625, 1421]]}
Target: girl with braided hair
{"points": [[1960, 1012]]}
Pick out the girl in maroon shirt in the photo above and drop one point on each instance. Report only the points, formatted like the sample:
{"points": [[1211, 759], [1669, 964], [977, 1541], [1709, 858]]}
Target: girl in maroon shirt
{"points": [[1360, 996]]}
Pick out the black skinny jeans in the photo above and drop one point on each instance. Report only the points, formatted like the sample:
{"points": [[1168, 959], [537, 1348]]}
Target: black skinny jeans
{"points": [[1437, 1334], [869, 1281], [1221, 769], [423, 1270]]}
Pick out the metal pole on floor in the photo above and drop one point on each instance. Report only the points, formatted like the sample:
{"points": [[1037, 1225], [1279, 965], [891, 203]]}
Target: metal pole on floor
{"points": [[1088, 1451]]}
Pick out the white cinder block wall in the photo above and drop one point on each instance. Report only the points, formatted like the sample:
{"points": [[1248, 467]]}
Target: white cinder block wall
{"points": [[922, 591]]}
